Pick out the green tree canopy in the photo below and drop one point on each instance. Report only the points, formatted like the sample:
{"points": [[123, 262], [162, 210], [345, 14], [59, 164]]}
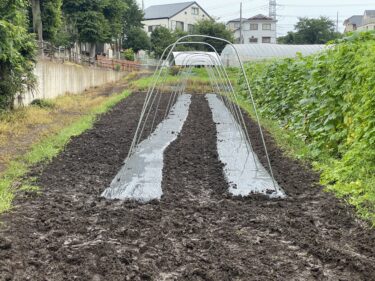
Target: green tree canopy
{"points": [[161, 38], [215, 29], [133, 16], [52, 19], [17, 51], [137, 39], [96, 21], [311, 31]]}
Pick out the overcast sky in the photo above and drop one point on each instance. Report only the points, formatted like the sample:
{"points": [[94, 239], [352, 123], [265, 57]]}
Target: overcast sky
{"points": [[288, 11]]}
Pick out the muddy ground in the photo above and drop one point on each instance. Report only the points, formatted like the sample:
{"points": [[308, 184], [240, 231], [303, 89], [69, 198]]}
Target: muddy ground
{"points": [[196, 232]]}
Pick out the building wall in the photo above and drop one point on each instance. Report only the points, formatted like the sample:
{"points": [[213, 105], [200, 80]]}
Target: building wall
{"points": [[350, 27], [368, 23], [232, 26], [187, 17], [366, 27], [184, 16], [55, 79], [156, 22], [256, 34]]}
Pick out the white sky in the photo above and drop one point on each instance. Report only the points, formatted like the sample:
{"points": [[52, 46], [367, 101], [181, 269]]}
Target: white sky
{"points": [[288, 11]]}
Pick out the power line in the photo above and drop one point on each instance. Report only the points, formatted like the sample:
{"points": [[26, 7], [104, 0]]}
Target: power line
{"points": [[322, 6]]}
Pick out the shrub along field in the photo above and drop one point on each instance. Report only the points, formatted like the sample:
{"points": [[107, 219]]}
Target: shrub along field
{"points": [[327, 100]]}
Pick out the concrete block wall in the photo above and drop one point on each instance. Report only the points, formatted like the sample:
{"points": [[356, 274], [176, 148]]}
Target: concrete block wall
{"points": [[55, 79]]}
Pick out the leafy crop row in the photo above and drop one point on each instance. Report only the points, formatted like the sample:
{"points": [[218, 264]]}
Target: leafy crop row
{"points": [[328, 100]]}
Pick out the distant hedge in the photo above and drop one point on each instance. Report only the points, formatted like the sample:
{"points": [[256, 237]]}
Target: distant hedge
{"points": [[328, 100]]}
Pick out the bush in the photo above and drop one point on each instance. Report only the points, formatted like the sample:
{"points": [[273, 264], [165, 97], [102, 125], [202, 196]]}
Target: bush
{"points": [[174, 70], [328, 100], [17, 53], [128, 54], [43, 103]]}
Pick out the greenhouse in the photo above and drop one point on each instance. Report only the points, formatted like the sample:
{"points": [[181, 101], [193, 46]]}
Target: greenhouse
{"points": [[197, 58], [257, 52]]}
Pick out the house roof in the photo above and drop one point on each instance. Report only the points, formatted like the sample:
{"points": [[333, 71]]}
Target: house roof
{"points": [[370, 13], [260, 17], [167, 11], [257, 17], [235, 20], [357, 20]]}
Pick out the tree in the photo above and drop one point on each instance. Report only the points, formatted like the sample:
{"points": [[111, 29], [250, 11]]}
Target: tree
{"points": [[311, 31], [96, 21], [18, 51], [215, 29], [51, 16], [161, 38], [137, 39], [37, 19], [133, 16]]}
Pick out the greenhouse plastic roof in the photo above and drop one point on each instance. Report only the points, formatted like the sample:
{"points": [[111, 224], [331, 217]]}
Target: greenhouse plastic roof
{"points": [[251, 52], [196, 58]]}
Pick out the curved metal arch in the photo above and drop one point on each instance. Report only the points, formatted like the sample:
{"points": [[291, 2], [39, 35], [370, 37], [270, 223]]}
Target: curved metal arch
{"points": [[171, 47]]}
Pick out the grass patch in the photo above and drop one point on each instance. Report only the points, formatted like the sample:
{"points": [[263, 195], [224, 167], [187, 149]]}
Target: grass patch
{"points": [[49, 146], [15, 123], [198, 80]]}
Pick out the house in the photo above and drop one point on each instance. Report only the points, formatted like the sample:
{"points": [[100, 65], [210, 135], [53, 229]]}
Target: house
{"points": [[259, 29], [361, 23], [352, 23], [368, 21], [182, 16]]}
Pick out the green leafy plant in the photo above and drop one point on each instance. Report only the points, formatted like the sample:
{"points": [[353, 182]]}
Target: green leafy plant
{"points": [[17, 52], [128, 54], [328, 101]]}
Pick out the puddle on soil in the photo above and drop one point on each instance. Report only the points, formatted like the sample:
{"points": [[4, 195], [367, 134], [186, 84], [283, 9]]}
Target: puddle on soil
{"points": [[141, 175], [243, 171]]}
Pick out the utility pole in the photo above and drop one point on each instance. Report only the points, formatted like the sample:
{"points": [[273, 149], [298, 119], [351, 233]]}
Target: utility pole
{"points": [[143, 5], [241, 41], [337, 22], [272, 11]]}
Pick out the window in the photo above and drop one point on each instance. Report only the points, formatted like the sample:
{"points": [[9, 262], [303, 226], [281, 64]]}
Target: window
{"points": [[253, 40], [195, 11], [266, 26], [266, 39], [191, 28], [180, 25], [151, 28], [253, 26]]}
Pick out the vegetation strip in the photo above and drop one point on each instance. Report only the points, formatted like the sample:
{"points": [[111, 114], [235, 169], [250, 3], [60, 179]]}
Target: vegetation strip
{"points": [[46, 149], [326, 101]]}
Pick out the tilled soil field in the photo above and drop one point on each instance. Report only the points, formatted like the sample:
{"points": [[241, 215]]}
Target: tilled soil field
{"points": [[196, 232]]}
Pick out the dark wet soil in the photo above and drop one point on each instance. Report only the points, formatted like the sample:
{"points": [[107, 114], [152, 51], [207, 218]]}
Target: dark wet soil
{"points": [[197, 231]]}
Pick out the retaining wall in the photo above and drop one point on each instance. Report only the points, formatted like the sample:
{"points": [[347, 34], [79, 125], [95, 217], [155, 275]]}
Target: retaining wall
{"points": [[55, 79]]}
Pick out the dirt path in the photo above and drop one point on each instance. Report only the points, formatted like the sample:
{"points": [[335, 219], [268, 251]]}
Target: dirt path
{"points": [[197, 231]]}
